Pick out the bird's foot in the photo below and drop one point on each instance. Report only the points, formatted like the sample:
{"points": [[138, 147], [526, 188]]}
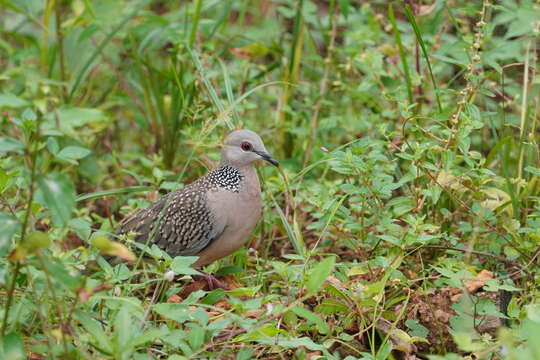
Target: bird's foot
{"points": [[211, 282]]}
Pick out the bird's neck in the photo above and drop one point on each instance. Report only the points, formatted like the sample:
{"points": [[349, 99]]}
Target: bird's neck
{"points": [[245, 174]]}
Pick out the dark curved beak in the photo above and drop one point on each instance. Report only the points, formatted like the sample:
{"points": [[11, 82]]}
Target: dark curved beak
{"points": [[267, 157]]}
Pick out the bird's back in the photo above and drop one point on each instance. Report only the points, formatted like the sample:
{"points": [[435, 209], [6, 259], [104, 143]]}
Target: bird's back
{"points": [[182, 222]]}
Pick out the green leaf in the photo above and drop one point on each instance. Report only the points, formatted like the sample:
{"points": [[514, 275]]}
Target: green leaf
{"points": [[95, 330], [57, 193], [10, 144], [319, 273], [196, 337], [176, 312], [72, 118], [122, 328], [72, 153], [146, 337], [466, 343], [52, 145], [322, 327], [11, 101], [344, 6], [9, 225], [331, 306], [213, 297], [181, 265], [533, 170], [417, 329], [13, 347], [293, 343], [244, 354], [4, 178], [35, 241]]}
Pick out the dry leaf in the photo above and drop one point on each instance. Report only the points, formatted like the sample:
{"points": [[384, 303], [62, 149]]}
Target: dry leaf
{"points": [[174, 299], [472, 285], [84, 295]]}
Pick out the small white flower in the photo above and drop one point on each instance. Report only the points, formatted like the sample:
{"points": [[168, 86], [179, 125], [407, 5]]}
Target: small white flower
{"points": [[169, 275]]}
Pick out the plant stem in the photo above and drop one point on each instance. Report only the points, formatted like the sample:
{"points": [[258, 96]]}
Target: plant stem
{"points": [[523, 115], [60, 44], [195, 24]]}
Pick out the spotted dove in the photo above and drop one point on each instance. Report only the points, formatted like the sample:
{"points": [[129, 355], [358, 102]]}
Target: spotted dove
{"points": [[213, 216]]}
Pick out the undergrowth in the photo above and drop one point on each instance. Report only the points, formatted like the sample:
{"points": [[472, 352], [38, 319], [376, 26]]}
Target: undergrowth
{"points": [[405, 221]]}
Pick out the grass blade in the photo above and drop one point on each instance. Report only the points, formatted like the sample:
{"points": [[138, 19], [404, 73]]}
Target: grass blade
{"points": [[297, 243], [402, 53], [99, 194], [410, 17], [100, 48], [228, 90]]}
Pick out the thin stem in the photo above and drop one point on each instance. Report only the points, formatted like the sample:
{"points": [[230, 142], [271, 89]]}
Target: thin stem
{"points": [[523, 116], [60, 44], [195, 24]]}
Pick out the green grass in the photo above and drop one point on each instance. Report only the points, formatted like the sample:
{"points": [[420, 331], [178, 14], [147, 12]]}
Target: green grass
{"points": [[408, 138]]}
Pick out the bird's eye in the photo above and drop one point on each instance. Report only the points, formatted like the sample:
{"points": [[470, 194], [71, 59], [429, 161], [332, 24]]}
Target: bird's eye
{"points": [[246, 146]]}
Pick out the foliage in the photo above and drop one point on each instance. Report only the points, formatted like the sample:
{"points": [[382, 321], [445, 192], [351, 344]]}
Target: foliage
{"points": [[406, 212]]}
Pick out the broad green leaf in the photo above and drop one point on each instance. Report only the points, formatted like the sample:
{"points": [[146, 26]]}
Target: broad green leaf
{"points": [[10, 144], [213, 297], [57, 193], [331, 306], [344, 6], [123, 328], [95, 330], [52, 145], [62, 275], [176, 312], [35, 241], [76, 117], [417, 329], [533, 170], [11, 101], [181, 265], [9, 225], [196, 336], [244, 354], [466, 343], [73, 153], [13, 347], [322, 327], [319, 273], [147, 336]]}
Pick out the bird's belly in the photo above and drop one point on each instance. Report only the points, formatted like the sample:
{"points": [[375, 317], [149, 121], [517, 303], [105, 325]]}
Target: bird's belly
{"points": [[242, 216]]}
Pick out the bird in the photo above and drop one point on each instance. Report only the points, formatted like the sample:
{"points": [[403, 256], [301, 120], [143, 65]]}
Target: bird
{"points": [[213, 216]]}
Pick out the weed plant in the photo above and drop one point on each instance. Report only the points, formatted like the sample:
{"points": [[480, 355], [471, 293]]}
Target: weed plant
{"points": [[405, 221]]}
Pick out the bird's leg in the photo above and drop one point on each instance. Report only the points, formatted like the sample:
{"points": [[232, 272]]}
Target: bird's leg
{"points": [[211, 281]]}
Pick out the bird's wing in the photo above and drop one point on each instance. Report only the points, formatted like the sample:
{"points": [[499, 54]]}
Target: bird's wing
{"points": [[186, 223], [142, 222]]}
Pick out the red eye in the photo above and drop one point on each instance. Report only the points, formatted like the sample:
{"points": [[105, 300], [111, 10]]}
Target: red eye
{"points": [[246, 146]]}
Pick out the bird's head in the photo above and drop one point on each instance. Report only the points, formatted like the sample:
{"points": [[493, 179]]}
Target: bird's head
{"points": [[242, 147]]}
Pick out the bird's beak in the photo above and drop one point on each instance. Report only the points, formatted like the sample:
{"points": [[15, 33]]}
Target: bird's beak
{"points": [[267, 157]]}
